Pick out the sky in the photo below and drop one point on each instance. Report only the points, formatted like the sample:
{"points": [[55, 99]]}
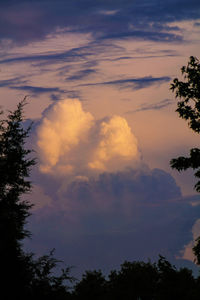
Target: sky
{"points": [[97, 76]]}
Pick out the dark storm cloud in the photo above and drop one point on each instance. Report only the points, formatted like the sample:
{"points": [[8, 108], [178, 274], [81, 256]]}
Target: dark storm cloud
{"points": [[143, 187], [98, 223], [157, 106], [134, 83], [24, 21]]}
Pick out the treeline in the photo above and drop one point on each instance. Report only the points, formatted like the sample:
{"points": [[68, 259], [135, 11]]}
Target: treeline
{"points": [[139, 280], [135, 280], [24, 277]]}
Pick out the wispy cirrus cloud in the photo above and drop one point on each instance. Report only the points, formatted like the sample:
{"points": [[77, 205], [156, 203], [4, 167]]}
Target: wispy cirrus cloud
{"points": [[134, 83], [152, 106], [55, 93], [70, 55], [155, 36], [12, 81], [37, 89], [82, 74], [84, 54]]}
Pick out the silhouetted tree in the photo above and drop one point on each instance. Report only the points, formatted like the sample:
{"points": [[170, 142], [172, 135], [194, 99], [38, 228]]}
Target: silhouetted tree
{"points": [[139, 280], [92, 286], [44, 284], [173, 283], [188, 92], [14, 171], [20, 274], [135, 280], [196, 251]]}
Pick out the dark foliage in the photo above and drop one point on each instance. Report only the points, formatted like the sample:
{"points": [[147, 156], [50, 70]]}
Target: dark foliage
{"points": [[20, 274], [14, 168], [188, 92], [139, 280], [135, 280], [196, 251], [92, 286], [173, 283]]}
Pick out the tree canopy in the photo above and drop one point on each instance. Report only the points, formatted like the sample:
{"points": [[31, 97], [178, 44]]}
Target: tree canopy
{"points": [[139, 280], [188, 93]]}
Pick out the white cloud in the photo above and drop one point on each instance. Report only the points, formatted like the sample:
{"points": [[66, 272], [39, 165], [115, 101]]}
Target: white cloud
{"points": [[116, 142], [62, 128], [70, 141]]}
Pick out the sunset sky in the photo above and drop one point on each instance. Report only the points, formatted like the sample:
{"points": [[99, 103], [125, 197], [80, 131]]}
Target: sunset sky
{"points": [[97, 74]]}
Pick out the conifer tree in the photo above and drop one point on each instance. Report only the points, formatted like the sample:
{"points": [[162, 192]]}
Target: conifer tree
{"points": [[21, 276], [14, 172]]}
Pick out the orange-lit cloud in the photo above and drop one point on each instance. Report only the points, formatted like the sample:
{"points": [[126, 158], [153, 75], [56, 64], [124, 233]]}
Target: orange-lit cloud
{"points": [[70, 141], [63, 127], [116, 142]]}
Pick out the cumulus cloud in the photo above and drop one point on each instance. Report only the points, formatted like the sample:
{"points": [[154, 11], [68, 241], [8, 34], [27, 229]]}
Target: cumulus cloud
{"points": [[98, 222], [116, 141], [63, 127], [96, 206], [70, 141], [121, 192]]}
